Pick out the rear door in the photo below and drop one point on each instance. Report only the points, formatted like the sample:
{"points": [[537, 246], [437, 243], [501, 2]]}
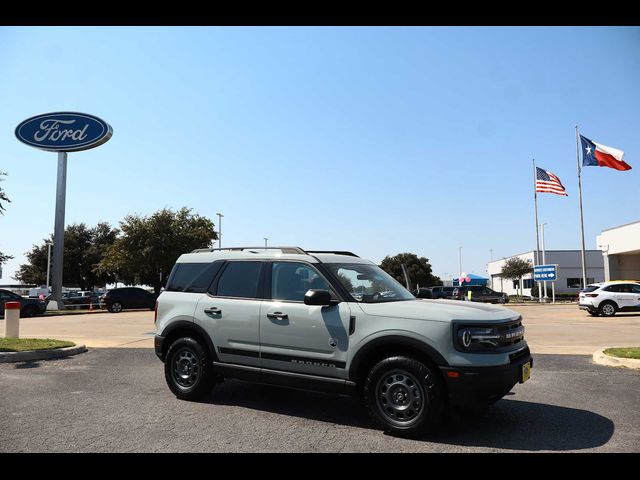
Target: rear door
{"points": [[230, 312], [302, 338]]}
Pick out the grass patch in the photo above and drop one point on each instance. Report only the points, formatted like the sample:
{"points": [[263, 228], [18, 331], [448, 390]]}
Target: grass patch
{"points": [[24, 344], [631, 352]]}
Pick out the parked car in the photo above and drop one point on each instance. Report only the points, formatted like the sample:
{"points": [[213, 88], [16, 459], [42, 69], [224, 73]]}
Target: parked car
{"points": [[119, 299], [80, 299], [333, 322], [607, 298], [30, 307], [479, 294], [442, 292], [423, 293]]}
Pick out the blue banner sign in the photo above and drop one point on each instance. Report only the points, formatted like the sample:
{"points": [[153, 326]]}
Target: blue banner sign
{"points": [[546, 273], [64, 131]]}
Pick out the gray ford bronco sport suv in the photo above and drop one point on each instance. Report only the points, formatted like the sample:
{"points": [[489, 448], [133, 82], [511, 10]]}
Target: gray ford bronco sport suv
{"points": [[333, 322]]}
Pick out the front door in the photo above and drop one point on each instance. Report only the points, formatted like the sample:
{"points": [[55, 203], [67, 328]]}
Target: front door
{"points": [[230, 311], [301, 338]]}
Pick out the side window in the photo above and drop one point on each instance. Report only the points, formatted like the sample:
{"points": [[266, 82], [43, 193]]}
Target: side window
{"points": [[192, 277], [290, 281], [239, 279], [635, 288], [612, 288]]}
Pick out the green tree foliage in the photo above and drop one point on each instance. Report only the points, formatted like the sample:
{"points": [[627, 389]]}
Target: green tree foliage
{"points": [[419, 269], [3, 199], [515, 268], [149, 246], [83, 250]]}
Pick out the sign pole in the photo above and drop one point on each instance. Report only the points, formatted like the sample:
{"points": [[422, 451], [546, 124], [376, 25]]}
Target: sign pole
{"points": [[535, 204], [58, 235]]}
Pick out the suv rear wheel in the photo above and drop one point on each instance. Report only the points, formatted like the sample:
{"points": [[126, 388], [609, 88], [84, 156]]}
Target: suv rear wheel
{"points": [[188, 369], [404, 396], [608, 309]]}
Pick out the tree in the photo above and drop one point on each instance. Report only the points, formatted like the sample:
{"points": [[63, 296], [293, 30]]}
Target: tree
{"points": [[149, 246], [419, 269], [515, 268], [5, 199], [83, 250]]}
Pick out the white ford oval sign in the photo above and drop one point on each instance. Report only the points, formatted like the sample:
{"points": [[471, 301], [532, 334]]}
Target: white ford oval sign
{"points": [[64, 131]]}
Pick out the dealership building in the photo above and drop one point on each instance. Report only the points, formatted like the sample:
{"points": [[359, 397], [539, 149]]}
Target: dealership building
{"points": [[569, 271], [620, 249]]}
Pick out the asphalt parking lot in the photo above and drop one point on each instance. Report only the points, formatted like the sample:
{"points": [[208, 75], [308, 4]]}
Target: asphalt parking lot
{"points": [[116, 400]]}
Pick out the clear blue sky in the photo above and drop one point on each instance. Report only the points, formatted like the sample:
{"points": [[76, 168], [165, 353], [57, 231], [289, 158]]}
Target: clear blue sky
{"points": [[375, 140]]}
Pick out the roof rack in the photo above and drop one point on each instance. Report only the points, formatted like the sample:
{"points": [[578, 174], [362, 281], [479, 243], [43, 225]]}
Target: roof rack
{"points": [[295, 250], [335, 252]]}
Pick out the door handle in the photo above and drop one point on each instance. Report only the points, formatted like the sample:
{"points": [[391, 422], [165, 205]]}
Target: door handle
{"points": [[277, 316], [213, 310]]}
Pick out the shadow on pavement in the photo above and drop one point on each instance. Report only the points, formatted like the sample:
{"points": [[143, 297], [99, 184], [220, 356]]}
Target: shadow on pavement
{"points": [[508, 424]]}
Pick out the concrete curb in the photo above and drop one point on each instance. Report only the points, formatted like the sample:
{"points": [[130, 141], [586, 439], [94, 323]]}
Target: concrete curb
{"points": [[602, 358], [46, 354]]}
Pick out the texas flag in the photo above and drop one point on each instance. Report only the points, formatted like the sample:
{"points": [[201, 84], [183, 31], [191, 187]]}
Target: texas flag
{"points": [[597, 155]]}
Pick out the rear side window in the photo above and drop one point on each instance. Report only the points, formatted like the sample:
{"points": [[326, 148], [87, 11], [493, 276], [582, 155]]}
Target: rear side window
{"points": [[192, 277], [239, 279], [591, 288]]}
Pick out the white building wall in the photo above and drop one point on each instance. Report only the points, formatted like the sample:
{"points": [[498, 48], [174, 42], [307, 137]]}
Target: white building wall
{"points": [[620, 248], [569, 267]]}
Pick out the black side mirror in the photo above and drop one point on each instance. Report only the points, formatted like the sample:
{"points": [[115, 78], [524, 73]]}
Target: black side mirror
{"points": [[319, 297]]}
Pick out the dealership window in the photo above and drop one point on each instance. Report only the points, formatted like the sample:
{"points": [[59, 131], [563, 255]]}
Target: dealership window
{"points": [[526, 283], [577, 282]]}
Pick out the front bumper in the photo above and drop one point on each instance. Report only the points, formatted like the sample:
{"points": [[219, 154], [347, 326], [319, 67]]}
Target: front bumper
{"points": [[473, 386]]}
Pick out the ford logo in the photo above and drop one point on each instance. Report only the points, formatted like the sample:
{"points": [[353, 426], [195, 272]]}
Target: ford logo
{"points": [[64, 131]]}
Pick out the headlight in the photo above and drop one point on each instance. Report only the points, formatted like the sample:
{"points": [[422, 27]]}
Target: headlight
{"points": [[478, 338]]}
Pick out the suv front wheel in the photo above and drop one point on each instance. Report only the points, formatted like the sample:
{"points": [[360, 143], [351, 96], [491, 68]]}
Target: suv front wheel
{"points": [[404, 396], [188, 369]]}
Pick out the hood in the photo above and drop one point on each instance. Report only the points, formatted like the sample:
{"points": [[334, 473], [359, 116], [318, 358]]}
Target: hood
{"points": [[439, 310]]}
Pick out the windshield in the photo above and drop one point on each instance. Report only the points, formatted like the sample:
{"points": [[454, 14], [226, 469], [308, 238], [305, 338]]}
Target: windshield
{"points": [[369, 283]]}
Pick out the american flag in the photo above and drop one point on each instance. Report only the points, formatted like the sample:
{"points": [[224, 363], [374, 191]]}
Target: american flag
{"points": [[547, 182]]}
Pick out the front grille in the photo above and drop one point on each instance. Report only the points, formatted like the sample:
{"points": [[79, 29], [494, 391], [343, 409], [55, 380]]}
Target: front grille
{"points": [[511, 333]]}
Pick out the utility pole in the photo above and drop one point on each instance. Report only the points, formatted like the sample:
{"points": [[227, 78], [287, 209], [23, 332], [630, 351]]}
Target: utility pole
{"points": [[220, 229], [460, 260], [265, 242]]}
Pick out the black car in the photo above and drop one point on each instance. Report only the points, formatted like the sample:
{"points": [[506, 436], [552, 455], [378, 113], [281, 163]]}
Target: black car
{"points": [[423, 293], [442, 292], [30, 307], [479, 294], [124, 298]]}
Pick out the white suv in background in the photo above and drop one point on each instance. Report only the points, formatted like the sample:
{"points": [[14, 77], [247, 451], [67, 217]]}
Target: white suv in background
{"points": [[607, 298]]}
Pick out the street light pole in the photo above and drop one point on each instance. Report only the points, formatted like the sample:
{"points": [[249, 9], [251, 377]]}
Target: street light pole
{"points": [[460, 259], [220, 229], [544, 261], [265, 242]]}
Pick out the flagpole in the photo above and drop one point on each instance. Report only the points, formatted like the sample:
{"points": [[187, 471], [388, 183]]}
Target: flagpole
{"points": [[584, 263], [535, 203]]}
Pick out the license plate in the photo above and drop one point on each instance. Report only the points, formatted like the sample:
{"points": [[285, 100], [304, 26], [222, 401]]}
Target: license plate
{"points": [[526, 372]]}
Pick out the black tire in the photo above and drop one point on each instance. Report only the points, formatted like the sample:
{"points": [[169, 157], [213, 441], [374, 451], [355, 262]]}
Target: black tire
{"points": [[115, 307], [188, 369], [404, 396], [30, 311], [607, 309]]}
